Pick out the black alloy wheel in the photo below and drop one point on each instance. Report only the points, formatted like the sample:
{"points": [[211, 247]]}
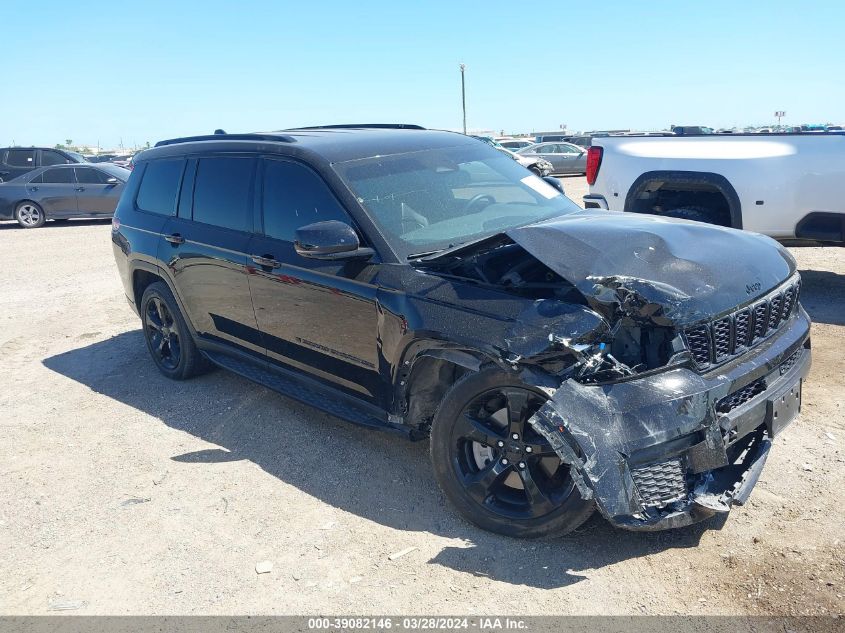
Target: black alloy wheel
{"points": [[500, 472], [168, 338], [163, 335]]}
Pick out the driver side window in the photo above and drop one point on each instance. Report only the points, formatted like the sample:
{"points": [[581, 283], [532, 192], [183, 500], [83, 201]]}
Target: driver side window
{"points": [[294, 196]]}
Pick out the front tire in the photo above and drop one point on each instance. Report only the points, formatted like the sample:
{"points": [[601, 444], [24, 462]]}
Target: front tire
{"points": [[29, 215], [168, 338], [498, 472]]}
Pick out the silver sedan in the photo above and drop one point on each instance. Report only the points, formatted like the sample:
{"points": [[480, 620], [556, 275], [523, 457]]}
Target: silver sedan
{"points": [[565, 158]]}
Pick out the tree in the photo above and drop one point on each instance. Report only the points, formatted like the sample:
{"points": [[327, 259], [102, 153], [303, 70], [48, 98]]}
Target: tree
{"points": [[68, 142]]}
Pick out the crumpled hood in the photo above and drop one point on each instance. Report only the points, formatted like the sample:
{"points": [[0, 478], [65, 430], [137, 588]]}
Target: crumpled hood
{"points": [[666, 270]]}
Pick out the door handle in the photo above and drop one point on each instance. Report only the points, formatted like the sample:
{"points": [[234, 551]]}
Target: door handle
{"points": [[80, 189], [175, 238], [33, 188], [266, 260]]}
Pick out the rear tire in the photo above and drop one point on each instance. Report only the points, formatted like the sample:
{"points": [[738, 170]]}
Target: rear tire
{"points": [[168, 338], [29, 215], [516, 486]]}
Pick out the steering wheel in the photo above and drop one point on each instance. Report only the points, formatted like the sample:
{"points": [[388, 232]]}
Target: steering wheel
{"points": [[475, 200]]}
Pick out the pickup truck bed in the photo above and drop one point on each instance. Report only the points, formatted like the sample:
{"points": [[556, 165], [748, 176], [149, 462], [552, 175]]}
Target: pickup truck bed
{"points": [[786, 186]]}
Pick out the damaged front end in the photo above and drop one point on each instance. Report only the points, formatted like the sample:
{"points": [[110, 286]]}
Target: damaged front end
{"points": [[667, 384], [663, 451]]}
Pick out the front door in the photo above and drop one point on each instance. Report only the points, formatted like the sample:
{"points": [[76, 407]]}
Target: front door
{"points": [[205, 248], [95, 195], [319, 317]]}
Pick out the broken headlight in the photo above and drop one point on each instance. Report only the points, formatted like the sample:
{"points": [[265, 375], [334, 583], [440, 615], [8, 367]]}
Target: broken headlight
{"points": [[632, 350]]}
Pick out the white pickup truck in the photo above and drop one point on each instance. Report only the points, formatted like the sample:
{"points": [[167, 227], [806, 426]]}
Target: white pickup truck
{"points": [[786, 186]]}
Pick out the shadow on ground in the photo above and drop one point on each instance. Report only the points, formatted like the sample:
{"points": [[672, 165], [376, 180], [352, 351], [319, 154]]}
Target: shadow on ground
{"points": [[823, 296], [379, 477], [54, 224]]}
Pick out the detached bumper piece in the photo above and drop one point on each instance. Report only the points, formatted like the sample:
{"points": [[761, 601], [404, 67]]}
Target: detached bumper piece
{"points": [[675, 448]]}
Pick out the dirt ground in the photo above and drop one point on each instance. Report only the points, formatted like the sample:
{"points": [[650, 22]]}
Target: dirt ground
{"points": [[124, 493]]}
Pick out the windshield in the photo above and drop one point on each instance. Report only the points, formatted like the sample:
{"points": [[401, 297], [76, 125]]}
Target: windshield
{"points": [[434, 199]]}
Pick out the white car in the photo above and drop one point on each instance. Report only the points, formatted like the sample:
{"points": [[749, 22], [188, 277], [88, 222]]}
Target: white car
{"points": [[786, 186], [515, 144]]}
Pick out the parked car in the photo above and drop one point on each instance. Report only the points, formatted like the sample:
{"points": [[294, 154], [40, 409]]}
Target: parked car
{"points": [[16, 161], [515, 144], [102, 158], [536, 164], [560, 359], [565, 158], [122, 161], [727, 180], [692, 130], [61, 192], [552, 138]]}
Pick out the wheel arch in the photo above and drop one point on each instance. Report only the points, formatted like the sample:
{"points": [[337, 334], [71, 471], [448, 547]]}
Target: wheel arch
{"points": [[429, 369], [707, 181], [36, 203], [143, 274]]}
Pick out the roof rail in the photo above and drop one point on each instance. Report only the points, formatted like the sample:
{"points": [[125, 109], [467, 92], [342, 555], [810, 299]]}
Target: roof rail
{"points": [[346, 126], [279, 138]]}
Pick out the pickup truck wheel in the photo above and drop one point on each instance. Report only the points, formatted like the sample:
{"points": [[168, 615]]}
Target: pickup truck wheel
{"points": [[168, 338], [697, 214], [498, 472]]}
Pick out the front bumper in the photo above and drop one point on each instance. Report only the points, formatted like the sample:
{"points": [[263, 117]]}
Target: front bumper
{"points": [[674, 448]]}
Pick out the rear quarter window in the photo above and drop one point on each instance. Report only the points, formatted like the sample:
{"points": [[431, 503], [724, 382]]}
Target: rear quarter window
{"points": [[21, 158], [160, 186]]}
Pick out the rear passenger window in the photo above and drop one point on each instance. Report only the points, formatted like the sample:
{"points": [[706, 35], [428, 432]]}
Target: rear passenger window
{"points": [[295, 196], [58, 176], [159, 185], [222, 192]]}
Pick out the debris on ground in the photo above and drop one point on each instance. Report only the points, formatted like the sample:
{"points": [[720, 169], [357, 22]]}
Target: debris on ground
{"points": [[401, 553], [264, 567], [134, 501], [65, 605]]}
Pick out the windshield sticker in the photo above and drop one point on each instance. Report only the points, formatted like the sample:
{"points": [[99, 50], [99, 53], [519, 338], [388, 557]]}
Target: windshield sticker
{"points": [[541, 186]]}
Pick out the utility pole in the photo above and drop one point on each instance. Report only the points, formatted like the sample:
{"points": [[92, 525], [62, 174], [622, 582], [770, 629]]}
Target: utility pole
{"points": [[464, 96]]}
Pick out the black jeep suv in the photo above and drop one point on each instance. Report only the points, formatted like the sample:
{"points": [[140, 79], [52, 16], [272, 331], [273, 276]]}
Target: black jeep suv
{"points": [[422, 282]]}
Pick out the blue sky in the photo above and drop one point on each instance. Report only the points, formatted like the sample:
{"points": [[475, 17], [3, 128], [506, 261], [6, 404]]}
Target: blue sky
{"points": [[142, 70]]}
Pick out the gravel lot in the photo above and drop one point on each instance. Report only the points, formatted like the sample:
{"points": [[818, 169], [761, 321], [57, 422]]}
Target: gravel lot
{"points": [[124, 493]]}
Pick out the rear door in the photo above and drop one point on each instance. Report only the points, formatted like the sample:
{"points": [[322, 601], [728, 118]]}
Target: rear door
{"points": [[316, 316], [55, 191], [205, 248], [95, 195]]}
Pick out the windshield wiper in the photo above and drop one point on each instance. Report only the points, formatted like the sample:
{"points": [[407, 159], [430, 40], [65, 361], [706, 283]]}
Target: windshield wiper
{"points": [[452, 249]]}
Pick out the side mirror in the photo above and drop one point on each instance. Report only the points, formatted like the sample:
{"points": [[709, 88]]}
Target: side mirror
{"points": [[112, 181], [554, 182], [330, 239]]}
